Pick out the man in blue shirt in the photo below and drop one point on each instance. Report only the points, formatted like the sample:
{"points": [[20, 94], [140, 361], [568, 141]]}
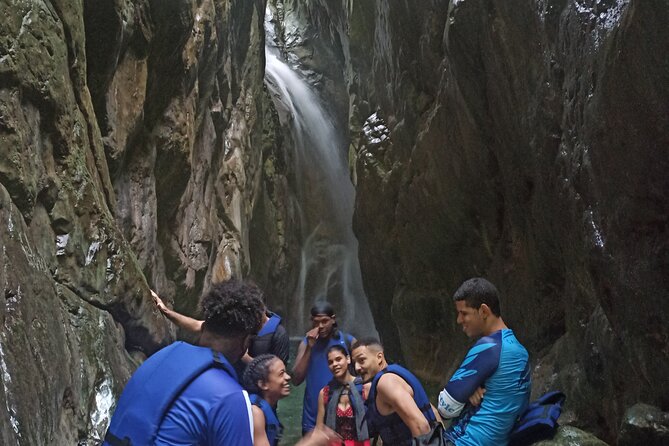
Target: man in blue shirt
{"points": [[311, 363], [491, 388], [189, 394]]}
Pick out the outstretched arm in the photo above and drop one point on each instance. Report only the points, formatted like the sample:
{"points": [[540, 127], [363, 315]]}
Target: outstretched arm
{"points": [[182, 321]]}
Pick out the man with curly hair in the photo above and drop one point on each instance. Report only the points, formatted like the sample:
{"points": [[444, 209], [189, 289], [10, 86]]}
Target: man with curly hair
{"points": [[189, 394], [272, 338]]}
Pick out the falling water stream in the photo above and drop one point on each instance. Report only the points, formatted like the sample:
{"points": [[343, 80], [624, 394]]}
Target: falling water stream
{"points": [[324, 196]]}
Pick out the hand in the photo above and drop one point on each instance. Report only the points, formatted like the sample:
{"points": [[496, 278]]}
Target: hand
{"points": [[312, 336], [159, 302], [476, 397], [320, 436]]}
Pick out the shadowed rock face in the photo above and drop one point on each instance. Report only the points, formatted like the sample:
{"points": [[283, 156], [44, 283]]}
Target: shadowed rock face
{"points": [[530, 141], [525, 142]]}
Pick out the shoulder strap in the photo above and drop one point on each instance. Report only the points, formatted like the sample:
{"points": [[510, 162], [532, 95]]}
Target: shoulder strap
{"points": [[271, 325], [154, 386], [273, 426]]}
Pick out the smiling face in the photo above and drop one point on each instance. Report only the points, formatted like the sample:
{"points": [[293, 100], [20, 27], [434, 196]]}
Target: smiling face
{"points": [[338, 363], [368, 362], [324, 323], [471, 319], [277, 384]]}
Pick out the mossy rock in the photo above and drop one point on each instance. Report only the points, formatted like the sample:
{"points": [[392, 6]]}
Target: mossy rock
{"points": [[571, 436]]}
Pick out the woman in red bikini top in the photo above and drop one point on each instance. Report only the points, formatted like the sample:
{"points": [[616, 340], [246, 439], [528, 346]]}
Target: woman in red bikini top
{"points": [[341, 402]]}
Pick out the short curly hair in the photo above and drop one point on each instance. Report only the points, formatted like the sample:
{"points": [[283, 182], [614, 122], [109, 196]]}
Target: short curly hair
{"points": [[233, 308]]}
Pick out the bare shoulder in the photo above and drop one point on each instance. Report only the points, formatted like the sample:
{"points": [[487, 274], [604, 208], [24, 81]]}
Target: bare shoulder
{"points": [[258, 414], [389, 381], [391, 386]]}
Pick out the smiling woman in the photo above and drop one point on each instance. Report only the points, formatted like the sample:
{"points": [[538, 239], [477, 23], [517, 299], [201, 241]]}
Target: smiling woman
{"points": [[341, 402], [268, 382]]}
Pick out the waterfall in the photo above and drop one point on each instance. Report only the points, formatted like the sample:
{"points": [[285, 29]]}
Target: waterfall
{"points": [[324, 197]]}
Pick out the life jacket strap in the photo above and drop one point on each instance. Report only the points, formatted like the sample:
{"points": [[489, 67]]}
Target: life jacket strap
{"points": [[113, 440]]}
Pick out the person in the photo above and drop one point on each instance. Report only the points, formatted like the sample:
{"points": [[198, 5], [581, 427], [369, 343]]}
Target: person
{"points": [[398, 409], [491, 388], [341, 402], [176, 398], [311, 363], [266, 379], [272, 338]]}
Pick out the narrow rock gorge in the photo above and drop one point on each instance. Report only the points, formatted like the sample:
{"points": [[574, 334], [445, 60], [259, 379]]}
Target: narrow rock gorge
{"points": [[141, 147]]}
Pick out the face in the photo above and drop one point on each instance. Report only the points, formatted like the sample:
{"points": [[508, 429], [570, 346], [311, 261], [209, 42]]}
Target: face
{"points": [[324, 323], [367, 362], [277, 385], [470, 318], [338, 364]]}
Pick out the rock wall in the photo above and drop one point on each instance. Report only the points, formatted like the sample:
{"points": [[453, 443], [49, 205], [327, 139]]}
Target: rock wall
{"points": [[521, 140], [136, 140], [525, 141]]}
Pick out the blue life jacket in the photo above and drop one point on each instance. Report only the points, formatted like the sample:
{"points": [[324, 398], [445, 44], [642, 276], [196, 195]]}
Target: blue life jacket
{"points": [[391, 428], [273, 427], [539, 421], [152, 389]]}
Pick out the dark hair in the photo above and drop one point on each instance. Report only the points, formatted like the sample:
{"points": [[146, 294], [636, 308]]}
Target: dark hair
{"points": [[337, 347], [232, 308], [367, 342], [257, 370], [322, 307], [478, 291]]}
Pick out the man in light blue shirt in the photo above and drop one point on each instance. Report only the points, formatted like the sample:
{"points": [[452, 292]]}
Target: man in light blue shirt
{"points": [[491, 388]]}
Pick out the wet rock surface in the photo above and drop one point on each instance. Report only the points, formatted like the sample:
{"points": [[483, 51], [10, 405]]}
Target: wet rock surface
{"points": [[644, 424], [571, 436], [523, 141], [131, 156]]}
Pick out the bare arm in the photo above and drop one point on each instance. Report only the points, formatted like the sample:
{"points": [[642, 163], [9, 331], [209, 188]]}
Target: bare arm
{"points": [[303, 356], [395, 394], [182, 321], [301, 363], [320, 416], [259, 434]]}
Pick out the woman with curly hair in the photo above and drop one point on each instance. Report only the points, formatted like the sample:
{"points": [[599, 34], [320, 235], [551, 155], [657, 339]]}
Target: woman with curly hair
{"points": [[267, 381]]}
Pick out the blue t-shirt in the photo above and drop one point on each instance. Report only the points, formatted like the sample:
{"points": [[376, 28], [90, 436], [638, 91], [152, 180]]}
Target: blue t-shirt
{"points": [[318, 375], [213, 410], [499, 363]]}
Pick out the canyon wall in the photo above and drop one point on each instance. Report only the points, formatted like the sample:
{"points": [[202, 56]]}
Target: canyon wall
{"points": [[133, 140]]}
